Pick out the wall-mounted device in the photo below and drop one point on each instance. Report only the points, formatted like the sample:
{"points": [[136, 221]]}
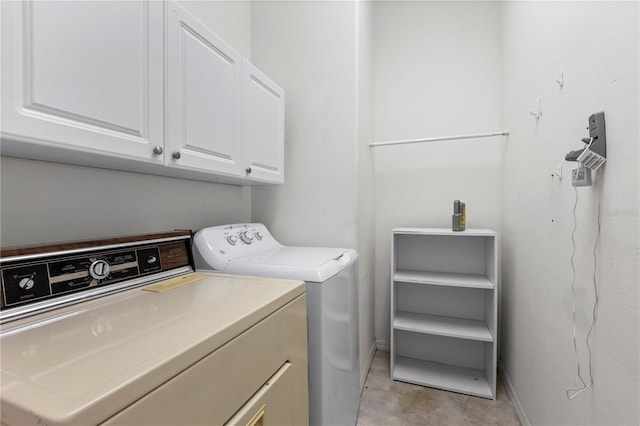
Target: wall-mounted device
{"points": [[594, 155], [581, 176]]}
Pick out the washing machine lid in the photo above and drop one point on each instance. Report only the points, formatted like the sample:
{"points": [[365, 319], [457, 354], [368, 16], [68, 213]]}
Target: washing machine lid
{"points": [[311, 264]]}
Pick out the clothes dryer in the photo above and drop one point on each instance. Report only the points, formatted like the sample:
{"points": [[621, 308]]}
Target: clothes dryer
{"points": [[331, 276]]}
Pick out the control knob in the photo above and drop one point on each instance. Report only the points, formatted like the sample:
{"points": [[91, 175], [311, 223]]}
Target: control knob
{"points": [[99, 269], [258, 235], [26, 283], [246, 237], [232, 239]]}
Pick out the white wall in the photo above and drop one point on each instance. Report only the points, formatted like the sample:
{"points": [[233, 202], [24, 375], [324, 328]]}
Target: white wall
{"points": [[437, 73], [366, 206], [596, 44], [49, 202], [309, 48], [229, 19], [46, 202], [319, 52]]}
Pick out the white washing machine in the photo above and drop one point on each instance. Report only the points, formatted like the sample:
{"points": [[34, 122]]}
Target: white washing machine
{"points": [[331, 276]]}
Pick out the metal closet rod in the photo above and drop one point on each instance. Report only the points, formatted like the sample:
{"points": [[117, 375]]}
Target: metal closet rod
{"points": [[443, 138]]}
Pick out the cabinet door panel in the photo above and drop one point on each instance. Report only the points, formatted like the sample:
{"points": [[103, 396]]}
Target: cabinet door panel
{"points": [[70, 80], [263, 126], [204, 83]]}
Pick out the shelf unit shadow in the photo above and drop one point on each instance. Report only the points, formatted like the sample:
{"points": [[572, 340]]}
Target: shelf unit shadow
{"points": [[444, 293]]}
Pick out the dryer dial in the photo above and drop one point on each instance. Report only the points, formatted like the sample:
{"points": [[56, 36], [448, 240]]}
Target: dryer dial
{"points": [[26, 283], [232, 239], [99, 269]]}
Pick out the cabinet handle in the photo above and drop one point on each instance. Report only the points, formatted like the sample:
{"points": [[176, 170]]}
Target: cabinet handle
{"points": [[158, 150], [248, 170], [176, 155]]}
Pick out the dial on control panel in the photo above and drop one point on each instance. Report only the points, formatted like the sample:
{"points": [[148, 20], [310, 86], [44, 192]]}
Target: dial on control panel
{"points": [[246, 237], [26, 283], [99, 269]]}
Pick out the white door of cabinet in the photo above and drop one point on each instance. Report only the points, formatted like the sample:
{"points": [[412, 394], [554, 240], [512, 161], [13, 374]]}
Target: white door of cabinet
{"points": [[204, 78], [262, 126], [86, 76]]}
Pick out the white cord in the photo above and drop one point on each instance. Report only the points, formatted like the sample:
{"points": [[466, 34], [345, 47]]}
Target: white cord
{"points": [[573, 392], [570, 392]]}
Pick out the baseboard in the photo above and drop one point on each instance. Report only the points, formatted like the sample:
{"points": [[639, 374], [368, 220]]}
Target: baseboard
{"points": [[383, 346], [364, 371], [524, 420]]}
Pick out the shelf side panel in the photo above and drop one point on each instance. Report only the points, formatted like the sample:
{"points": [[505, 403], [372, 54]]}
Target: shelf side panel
{"points": [[490, 259], [490, 366], [393, 302]]}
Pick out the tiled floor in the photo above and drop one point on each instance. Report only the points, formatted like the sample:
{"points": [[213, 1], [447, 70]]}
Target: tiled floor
{"points": [[390, 403]]}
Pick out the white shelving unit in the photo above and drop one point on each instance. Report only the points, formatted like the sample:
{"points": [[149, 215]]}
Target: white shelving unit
{"points": [[444, 293]]}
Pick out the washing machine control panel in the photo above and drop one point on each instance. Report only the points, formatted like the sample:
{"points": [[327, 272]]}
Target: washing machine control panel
{"points": [[218, 245], [244, 234]]}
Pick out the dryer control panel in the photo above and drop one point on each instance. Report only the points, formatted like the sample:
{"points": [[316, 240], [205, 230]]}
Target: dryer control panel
{"points": [[44, 273]]}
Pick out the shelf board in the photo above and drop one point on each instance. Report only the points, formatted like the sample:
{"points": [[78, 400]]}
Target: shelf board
{"points": [[445, 231], [443, 278], [442, 376], [443, 326]]}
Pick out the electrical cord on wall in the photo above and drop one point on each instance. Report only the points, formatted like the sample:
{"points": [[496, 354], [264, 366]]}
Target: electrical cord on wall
{"points": [[573, 392]]}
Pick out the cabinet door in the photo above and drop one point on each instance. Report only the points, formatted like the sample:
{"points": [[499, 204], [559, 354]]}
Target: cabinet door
{"points": [[262, 126], [203, 97], [86, 76]]}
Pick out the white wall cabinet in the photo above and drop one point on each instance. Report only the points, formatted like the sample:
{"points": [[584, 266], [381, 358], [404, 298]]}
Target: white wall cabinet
{"points": [[86, 77], [140, 86], [444, 293], [204, 82], [262, 126]]}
